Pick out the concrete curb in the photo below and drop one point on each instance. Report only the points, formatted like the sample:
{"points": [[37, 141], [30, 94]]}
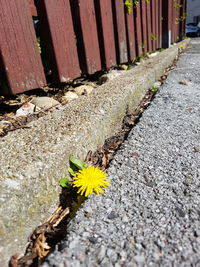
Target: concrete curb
{"points": [[33, 160]]}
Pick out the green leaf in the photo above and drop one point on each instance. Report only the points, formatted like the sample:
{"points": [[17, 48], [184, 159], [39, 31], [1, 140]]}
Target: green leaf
{"points": [[71, 172], [64, 182], [77, 162]]}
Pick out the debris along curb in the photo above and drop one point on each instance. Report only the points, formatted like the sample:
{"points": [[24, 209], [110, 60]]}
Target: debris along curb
{"points": [[34, 159]]}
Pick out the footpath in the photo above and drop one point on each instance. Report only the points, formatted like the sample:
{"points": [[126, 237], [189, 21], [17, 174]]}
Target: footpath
{"points": [[150, 214]]}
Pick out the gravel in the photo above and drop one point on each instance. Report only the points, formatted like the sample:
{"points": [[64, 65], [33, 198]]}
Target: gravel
{"points": [[150, 215]]}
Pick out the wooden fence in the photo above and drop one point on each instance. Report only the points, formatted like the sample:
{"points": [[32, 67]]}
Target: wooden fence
{"points": [[79, 37]]}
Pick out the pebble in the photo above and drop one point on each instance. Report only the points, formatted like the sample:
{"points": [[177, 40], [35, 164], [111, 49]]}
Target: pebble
{"points": [[197, 148], [113, 215], [83, 90], [69, 96], [101, 253], [185, 82], [26, 109], [44, 102], [110, 76]]}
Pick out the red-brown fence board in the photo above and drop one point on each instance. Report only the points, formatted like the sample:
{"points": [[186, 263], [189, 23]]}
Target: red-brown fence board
{"points": [[178, 20], [170, 19], [120, 31], [173, 23], [18, 45], [182, 22], [144, 26], [156, 22], [131, 35], [105, 28], [167, 23], [90, 37], [160, 23], [153, 23], [58, 39], [149, 26], [175, 19], [138, 25], [33, 8]]}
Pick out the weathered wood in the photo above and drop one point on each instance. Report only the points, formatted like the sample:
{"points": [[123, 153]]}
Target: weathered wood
{"points": [[137, 17], [149, 26], [103, 9], [160, 23], [22, 66], [173, 23], [157, 22], [131, 36], [183, 20], [120, 31], [58, 39], [144, 26], [86, 33], [178, 21], [153, 23], [33, 8], [167, 23]]}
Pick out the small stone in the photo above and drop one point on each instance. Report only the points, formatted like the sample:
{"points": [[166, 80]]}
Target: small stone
{"points": [[101, 254], [154, 54], [188, 181], [125, 219], [185, 82], [112, 255], [102, 111], [83, 90], [26, 109], [112, 215], [123, 67], [93, 240], [197, 148], [110, 76], [139, 259], [12, 184], [88, 210], [44, 102], [123, 255], [69, 96], [157, 256], [181, 213]]}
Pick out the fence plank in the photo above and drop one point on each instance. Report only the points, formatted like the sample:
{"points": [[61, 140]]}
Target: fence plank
{"points": [[153, 22], [173, 22], [167, 30], [138, 25], [149, 26], [157, 23], [131, 36], [58, 39], [120, 31], [19, 51], [33, 8], [103, 9], [178, 15], [90, 37], [144, 26], [160, 23], [182, 23]]}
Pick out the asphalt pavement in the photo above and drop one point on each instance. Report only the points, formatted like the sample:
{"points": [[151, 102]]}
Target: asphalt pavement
{"points": [[150, 214]]}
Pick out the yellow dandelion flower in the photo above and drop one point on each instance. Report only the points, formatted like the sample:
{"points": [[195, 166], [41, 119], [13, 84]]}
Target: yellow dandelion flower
{"points": [[89, 180]]}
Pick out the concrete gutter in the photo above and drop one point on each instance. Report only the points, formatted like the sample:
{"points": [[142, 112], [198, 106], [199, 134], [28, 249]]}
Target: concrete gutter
{"points": [[33, 160]]}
